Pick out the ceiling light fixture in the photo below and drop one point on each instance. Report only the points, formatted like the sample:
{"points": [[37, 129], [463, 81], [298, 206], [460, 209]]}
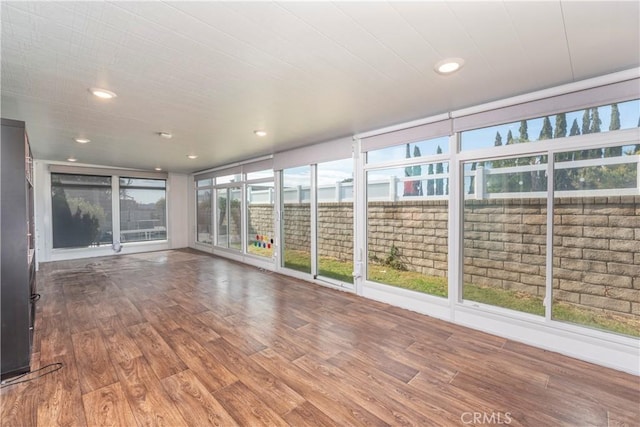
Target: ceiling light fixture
{"points": [[72, 159], [449, 65], [158, 169], [260, 133], [166, 135], [82, 140], [192, 156], [102, 93]]}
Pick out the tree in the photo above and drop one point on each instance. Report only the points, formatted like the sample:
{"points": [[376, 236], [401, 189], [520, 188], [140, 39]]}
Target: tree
{"points": [[408, 171], [586, 122], [524, 134], [614, 125], [615, 118], [509, 137], [417, 171], [498, 141], [561, 126], [595, 121], [547, 131], [575, 129], [439, 170]]}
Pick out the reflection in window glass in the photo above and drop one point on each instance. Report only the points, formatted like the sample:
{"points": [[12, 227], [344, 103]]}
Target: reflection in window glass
{"points": [[222, 218], [296, 222], [81, 211], [228, 178], [504, 233], [428, 147], [204, 216], [268, 173], [203, 182], [624, 115], [407, 227], [597, 238], [142, 210], [260, 216], [335, 220], [235, 218]]}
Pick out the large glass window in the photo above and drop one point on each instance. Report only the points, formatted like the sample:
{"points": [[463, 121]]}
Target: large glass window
{"points": [[505, 231], [235, 218], [428, 147], [260, 216], [81, 210], [335, 220], [143, 210], [296, 221], [222, 218], [204, 234], [407, 227], [596, 251], [604, 118]]}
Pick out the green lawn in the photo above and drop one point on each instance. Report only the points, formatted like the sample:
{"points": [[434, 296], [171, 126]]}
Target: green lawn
{"points": [[520, 301]]}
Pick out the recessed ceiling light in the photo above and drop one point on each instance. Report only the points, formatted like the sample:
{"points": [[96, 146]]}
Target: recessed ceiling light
{"points": [[192, 156], [82, 140], [158, 169], [166, 135], [72, 159], [102, 93], [260, 132], [449, 65]]}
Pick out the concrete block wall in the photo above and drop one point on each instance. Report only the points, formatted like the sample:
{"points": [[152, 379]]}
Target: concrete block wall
{"points": [[596, 243]]}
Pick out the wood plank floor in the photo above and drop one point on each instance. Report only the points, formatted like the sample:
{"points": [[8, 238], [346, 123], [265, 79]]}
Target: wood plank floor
{"points": [[180, 338]]}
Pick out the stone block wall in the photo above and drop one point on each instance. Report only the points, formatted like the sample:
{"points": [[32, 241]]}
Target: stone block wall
{"points": [[417, 228], [596, 243], [260, 221]]}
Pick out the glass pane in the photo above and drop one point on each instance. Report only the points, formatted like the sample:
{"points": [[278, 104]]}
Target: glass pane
{"points": [[222, 218], [235, 218], [428, 147], [624, 115], [407, 220], [505, 226], [204, 217], [228, 178], [335, 220], [260, 216], [81, 211], [142, 210], [260, 174], [596, 249], [204, 182], [296, 223]]}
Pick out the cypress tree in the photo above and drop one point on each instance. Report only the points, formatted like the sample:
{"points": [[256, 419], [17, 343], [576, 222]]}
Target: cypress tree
{"points": [[439, 169], [498, 141], [417, 171], [595, 121], [561, 126], [524, 134], [575, 129], [615, 118], [586, 122], [546, 132], [509, 137], [614, 125]]}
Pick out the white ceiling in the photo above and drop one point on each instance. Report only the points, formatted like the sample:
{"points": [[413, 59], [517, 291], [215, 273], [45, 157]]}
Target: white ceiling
{"points": [[212, 72]]}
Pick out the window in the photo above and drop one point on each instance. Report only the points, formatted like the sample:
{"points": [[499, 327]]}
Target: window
{"points": [[596, 250], [143, 210], [204, 234], [604, 118], [260, 216], [296, 221], [407, 227], [505, 233], [81, 211], [267, 173], [222, 218], [428, 147]]}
